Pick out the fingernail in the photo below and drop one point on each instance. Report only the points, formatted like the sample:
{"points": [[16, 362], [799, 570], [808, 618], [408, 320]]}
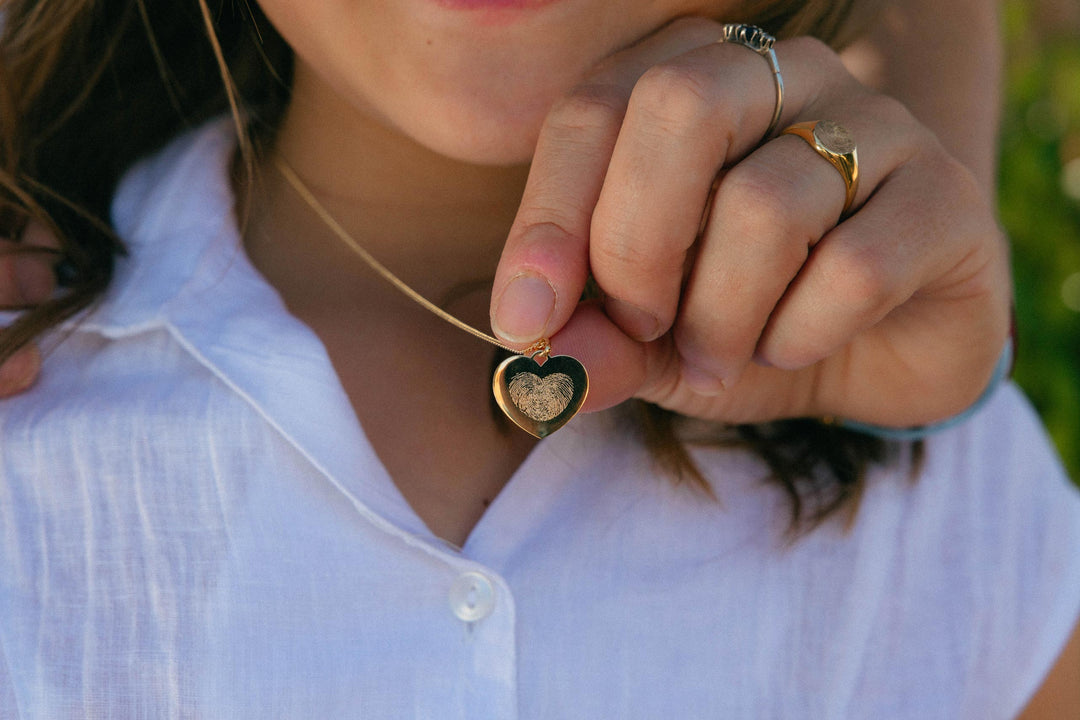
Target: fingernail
{"points": [[634, 321], [524, 308], [701, 381], [19, 371]]}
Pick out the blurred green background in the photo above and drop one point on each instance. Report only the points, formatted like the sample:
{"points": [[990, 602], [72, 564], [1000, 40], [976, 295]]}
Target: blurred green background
{"points": [[1040, 207]]}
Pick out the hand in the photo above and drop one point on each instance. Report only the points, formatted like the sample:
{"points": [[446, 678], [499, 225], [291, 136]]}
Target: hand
{"points": [[895, 316], [25, 279]]}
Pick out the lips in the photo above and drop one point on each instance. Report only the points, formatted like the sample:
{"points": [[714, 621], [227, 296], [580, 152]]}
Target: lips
{"points": [[493, 4]]}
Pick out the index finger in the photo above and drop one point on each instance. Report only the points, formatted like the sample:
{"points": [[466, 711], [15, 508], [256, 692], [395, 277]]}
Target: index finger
{"points": [[544, 265]]}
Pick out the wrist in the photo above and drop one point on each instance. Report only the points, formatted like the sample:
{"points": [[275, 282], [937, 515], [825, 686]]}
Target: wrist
{"points": [[1001, 373]]}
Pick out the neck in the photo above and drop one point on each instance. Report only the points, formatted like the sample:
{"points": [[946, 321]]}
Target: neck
{"points": [[439, 225], [422, 212]]}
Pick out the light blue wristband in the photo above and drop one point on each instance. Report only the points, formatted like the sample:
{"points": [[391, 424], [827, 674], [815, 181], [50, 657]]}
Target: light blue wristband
{"points": [[1001, 373]]}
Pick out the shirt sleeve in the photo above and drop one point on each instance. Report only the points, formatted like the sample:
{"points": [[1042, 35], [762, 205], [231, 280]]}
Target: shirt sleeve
{"points": [[1024, 516], [9, 707]]}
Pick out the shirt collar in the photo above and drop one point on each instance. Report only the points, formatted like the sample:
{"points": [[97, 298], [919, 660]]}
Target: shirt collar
{"points": [[186, 272], [170, 210]]}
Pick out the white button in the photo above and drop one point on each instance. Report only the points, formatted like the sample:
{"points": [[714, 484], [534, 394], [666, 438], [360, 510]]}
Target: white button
{"points": [[472, 597]]}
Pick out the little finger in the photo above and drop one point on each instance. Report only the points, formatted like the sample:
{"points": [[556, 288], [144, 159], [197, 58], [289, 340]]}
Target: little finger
{"points": [[769, 211], [885, 255]]}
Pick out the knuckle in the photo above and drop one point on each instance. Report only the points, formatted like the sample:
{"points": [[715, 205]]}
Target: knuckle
{"points": [[542, 219], [756, 202], [811, 47], [953, 174], [545, 229], [905, 130], [829, 80], [812, 50], [859, 277], [547, 246], [956, 204], [676, 96], [615, 253], [588, 107], [887, 110], [636, 272]]}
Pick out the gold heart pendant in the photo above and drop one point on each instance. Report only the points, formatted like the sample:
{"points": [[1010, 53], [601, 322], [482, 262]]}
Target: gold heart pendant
{"points": [[540, 399]]}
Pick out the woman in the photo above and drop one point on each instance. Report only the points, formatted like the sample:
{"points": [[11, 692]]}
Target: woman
{"points": [[196, 524]]}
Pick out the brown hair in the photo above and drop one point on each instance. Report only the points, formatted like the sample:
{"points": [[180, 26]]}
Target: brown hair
{"points": [[89, 86]]}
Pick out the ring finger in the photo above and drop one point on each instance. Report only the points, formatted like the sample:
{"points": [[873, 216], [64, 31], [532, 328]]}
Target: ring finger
{"points": [[769, 212], [687, 117]]}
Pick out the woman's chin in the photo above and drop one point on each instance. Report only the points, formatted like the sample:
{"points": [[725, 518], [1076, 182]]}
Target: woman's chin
{"points": [[475, 134]]}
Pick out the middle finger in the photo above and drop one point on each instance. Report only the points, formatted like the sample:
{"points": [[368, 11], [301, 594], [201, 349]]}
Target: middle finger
{"points": [[687, 117]]}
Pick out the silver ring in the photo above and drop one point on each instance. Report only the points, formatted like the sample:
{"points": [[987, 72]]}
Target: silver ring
{"points": [[761, 42]]}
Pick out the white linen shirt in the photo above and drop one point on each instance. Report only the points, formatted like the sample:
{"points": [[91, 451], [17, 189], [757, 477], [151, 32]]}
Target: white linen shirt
{"points": [[193, 525]]}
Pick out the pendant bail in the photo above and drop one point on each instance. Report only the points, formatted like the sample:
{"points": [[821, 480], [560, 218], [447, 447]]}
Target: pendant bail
{"points": [[541, 347]]}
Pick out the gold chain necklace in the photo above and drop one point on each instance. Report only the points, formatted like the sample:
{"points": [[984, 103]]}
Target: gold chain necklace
{"points": [[538, 397]]}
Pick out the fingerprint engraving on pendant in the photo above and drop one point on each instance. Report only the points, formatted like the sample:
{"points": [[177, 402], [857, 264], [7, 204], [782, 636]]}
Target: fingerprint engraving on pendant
{"points": [[541, 399]]}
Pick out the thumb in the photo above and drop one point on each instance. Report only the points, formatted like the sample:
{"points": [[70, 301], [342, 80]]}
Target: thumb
{"points": [[621, 368], [616, 364]]}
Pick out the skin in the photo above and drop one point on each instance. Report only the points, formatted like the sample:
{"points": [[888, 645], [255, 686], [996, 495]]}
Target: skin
{"points": [[420, 144], [899, 55], [24, 279], [408, 125], [460, 146], [383, 142]]}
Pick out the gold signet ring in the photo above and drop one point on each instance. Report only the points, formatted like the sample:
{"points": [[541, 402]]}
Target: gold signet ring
{"points": [[835, 143]]}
